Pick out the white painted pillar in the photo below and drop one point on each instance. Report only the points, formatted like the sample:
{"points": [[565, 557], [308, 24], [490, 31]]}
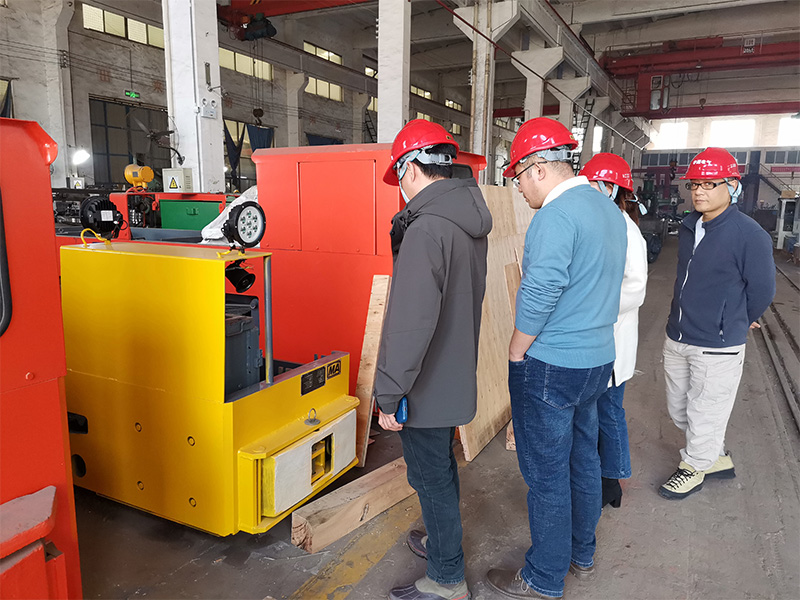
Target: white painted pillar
{"points": [[295, 85], [600, 105], [394, 60], [360, 102], [573, 88], [56, 15], [615, 143], [193, 92], [493, 19], [542, 61]]}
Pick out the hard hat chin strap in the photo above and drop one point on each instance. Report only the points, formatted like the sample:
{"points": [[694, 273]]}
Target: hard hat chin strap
{"points": [[613, 193], [560, 154], [734, 192], [421, 156]]}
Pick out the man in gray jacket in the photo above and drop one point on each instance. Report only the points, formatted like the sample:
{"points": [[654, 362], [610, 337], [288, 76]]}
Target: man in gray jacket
{"points": [[429, 348]]}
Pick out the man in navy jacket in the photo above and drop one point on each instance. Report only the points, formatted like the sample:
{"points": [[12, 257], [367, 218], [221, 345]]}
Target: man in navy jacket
{"points": [[725, 282]]}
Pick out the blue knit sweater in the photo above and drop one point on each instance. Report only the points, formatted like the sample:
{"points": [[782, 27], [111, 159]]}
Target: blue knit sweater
{"points": [[572, 274]]}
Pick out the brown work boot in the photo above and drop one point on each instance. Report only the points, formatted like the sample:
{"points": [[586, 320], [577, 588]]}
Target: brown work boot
{"points": [[582, 573], [512, 584]]}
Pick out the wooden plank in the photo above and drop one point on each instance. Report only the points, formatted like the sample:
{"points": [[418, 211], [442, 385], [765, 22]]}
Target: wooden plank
{"points": [[511, 442], [511, 217], [322, 522], [369, 359]]}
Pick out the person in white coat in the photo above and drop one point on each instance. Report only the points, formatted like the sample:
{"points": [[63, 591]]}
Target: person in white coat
{"points": [[612, 175]]}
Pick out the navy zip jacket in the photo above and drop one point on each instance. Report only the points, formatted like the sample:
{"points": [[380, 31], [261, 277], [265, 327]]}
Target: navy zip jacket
{"points": [[724, 284]]}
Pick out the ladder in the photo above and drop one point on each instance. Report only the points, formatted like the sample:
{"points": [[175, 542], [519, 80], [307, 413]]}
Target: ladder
{"points": [[371, 134], [580, 123]]}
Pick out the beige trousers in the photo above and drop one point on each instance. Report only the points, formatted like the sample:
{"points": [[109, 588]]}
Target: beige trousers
{"points": [[701, 389]]}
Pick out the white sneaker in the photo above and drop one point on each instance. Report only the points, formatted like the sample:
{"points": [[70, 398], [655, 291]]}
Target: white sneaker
{"points": [[686, 480], [722, 468]]}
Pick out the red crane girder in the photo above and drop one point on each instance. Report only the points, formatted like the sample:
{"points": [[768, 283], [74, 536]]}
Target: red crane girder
{"points": [[718, 58]]}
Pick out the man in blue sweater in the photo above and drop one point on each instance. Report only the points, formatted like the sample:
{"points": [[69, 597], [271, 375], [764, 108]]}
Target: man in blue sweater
{"points": [[725, 282], [560, 357]]}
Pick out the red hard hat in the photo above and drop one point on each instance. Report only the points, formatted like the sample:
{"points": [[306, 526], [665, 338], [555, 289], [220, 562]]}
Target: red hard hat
{"points": [[538, 134], [417, 134], [609, 167], [713, 163]]}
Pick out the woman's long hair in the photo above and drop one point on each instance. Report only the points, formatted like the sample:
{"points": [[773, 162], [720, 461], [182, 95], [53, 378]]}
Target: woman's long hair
{"points": [[627, 203]]}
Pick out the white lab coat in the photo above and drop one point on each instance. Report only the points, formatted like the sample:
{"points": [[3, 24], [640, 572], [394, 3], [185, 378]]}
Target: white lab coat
{"points": [[634, 282]]}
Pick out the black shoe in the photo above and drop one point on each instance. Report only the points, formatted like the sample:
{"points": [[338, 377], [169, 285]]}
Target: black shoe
{"points": [[612, 492], [416, 541]]}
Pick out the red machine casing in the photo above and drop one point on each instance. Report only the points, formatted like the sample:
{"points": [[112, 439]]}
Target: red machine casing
{"points": [[34, 447], [328, 219]]}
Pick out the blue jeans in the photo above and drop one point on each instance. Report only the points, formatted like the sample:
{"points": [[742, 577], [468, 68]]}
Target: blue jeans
{"points": [[555, 427], [615, 454], [432, 471]]}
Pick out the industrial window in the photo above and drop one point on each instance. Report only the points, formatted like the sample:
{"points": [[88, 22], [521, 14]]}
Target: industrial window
{"points": [[741, 157], [663, 160], [236, 61], [114, 23], [597, 140], [137, 31], [227, 59], [769, 158], [671, 136], [780, 157], [105, 21], [373, 104], [119, 138], [370, 72], [791, 156], [423, 116], [325, 89], [155, 36], [732, 132], [93, 18], [6, 104], [684, 158], [262, 69], [504, 122], [789, 131], [453, 104], [244, 64], [455, 129], [322, 53], [421, 93]]}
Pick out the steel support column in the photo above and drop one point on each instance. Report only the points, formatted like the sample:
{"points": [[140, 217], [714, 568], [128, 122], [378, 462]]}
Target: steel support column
{"points": [[193, 88], [493, 19], [394, 59]]}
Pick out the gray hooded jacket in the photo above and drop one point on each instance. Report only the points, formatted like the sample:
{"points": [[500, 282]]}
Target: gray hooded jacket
{"points": [[429, 348]]}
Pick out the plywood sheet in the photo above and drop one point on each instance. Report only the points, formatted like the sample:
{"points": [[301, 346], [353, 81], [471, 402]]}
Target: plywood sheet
{"points": [[511, 218], [369, 359]]}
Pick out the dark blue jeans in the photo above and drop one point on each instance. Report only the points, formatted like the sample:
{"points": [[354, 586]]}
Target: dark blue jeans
{"points": [[615, 454], [433, 473], [555, 427]]}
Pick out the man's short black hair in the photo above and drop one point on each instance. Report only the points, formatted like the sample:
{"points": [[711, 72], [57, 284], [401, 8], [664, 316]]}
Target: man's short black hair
{"points": [[438, 171]]}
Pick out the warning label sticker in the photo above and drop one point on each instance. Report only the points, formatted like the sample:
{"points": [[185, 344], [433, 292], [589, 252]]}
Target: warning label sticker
{"points": [[173, 183]]}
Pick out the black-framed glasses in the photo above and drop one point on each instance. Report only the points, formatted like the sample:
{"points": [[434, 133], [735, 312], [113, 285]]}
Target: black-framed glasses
{"points": [[515, 179], [706, 185]]}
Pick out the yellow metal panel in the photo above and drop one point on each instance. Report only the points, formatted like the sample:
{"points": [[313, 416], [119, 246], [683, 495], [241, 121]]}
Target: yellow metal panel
{"points": [[152, 319], [162, 453]]}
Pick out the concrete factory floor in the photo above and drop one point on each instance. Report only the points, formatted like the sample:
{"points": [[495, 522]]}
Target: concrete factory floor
{"points": [[735, 539]]}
